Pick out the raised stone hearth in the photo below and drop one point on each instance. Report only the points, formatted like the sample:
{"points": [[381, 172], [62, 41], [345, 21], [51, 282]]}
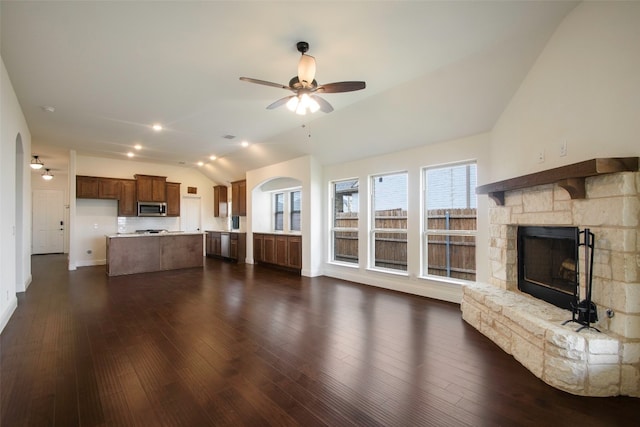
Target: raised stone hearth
{"points": [[587, 362]]}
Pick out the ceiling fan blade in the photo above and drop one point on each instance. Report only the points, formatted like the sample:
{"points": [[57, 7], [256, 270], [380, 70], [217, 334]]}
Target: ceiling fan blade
{"points": [[280, 102], [325, 107], [341, 87], [264, 82]]}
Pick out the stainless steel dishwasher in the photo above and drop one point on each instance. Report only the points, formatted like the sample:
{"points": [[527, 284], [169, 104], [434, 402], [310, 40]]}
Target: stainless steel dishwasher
{"points": [[225, 245]]}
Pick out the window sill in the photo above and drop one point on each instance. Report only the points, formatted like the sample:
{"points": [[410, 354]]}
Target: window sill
{"points": [[389, 271], [446, 280], [345, 264]]}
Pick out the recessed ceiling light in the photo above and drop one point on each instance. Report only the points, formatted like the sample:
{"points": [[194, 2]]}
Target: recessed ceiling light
{"points": [[200, 163], [157, 127], [138, 147], [212, 157], [245, 144], [130, 154]]}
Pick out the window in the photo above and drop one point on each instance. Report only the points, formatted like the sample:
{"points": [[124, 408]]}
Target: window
{"points": [[389, 224], [449, 217], [344, 230], [295, 206], [287, 210], [278, 211]]}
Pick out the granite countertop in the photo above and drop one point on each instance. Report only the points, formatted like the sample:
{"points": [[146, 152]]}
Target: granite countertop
{"points": [[225, 231], [160, 234]]}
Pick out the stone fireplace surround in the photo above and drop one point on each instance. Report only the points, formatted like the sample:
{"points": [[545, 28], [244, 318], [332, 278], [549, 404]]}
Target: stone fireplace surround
{"points": [[584, 363]]}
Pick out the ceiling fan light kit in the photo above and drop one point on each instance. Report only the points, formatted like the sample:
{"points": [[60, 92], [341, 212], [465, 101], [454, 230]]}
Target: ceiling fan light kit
{"points": [[304, 86]]}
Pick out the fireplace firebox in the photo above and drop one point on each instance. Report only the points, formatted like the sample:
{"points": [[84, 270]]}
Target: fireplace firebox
{"points": [[548, 264]]}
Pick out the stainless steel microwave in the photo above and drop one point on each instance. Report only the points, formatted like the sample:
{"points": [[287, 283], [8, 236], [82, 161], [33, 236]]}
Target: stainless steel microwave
{"points": [[152, 209]]}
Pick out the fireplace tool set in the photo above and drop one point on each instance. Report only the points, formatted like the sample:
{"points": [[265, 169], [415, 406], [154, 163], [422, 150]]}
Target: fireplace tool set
{"points": [[585, 312]]}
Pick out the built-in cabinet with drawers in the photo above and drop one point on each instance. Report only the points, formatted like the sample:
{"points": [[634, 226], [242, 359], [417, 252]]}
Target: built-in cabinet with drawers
{"points": [[282, 250], [128, 192], [228, 245]]}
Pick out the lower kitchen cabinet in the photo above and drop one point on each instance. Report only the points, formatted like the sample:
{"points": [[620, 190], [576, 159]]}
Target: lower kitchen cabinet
{"points": [[227, 245], [281, 250]]}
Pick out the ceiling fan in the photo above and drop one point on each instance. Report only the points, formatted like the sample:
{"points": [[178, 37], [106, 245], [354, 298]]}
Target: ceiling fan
{"points": [[306, 88]]}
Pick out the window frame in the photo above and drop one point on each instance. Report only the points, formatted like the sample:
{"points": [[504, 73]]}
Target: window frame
{"points": [[373, 230], [426, 232], [293, 211], [334, 229], [275, 212], [286, 210]]}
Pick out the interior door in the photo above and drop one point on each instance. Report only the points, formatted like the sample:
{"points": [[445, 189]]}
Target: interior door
{"points": [[190, 214], [47, 222]]}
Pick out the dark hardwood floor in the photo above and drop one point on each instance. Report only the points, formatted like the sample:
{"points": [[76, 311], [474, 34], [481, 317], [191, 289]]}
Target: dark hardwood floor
{"points": [[242, 345]]}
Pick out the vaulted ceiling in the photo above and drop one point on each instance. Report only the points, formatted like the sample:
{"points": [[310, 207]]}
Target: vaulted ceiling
{"points": [[435, 71]]}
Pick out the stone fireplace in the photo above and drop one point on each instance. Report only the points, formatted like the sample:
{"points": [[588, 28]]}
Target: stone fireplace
{"points": [[587, 362]]}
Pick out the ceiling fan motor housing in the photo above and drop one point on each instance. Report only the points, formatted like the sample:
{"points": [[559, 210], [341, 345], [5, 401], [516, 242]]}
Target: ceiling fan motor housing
{"points": [[302, 47]]}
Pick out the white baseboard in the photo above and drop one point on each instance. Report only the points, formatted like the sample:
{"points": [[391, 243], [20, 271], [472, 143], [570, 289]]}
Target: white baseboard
{"points": [[7, 311], [416, 286], [91, 262]]}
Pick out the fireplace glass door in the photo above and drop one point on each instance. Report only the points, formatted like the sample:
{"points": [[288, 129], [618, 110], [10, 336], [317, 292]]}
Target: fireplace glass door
{"points": [[548, 263]]}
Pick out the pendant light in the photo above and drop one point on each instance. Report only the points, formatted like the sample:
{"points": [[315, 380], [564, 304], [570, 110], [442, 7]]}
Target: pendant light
{"points": [[47, 176], [36, 163]]}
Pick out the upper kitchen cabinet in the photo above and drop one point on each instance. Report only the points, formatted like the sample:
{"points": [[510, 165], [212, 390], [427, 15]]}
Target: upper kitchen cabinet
{"points": [[87, 187], [239, 198], [93, 187], [173, 198], [127, 203], [109, 188], [220, 206], [151, 188]]}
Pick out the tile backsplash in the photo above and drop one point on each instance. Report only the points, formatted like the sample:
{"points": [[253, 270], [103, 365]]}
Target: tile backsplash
{"points": [[129, 224]]}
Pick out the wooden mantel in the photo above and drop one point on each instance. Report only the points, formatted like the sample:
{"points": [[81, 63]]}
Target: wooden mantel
{"points": [[570, 177]]}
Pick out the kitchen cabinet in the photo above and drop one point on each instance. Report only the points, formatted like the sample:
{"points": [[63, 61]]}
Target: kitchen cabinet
{"points": [[239, 198], [87, 187], [294, 252], [258, 248], [222, 244], [151, 188], [214, 243], [122, 190], [282, 250], [108, 188], [143, 253], [173, 198], [220, 201], [269, 249], [127, 205], [238, 247]]}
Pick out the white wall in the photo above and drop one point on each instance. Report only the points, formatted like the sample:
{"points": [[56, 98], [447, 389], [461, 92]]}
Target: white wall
{"points": [[471, 148], [584, 89], [93, 219], [308, 172], [15, 199]]}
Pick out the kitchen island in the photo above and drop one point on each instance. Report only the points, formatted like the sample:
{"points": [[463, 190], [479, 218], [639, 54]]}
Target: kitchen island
{"points": [[146, 252]]}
